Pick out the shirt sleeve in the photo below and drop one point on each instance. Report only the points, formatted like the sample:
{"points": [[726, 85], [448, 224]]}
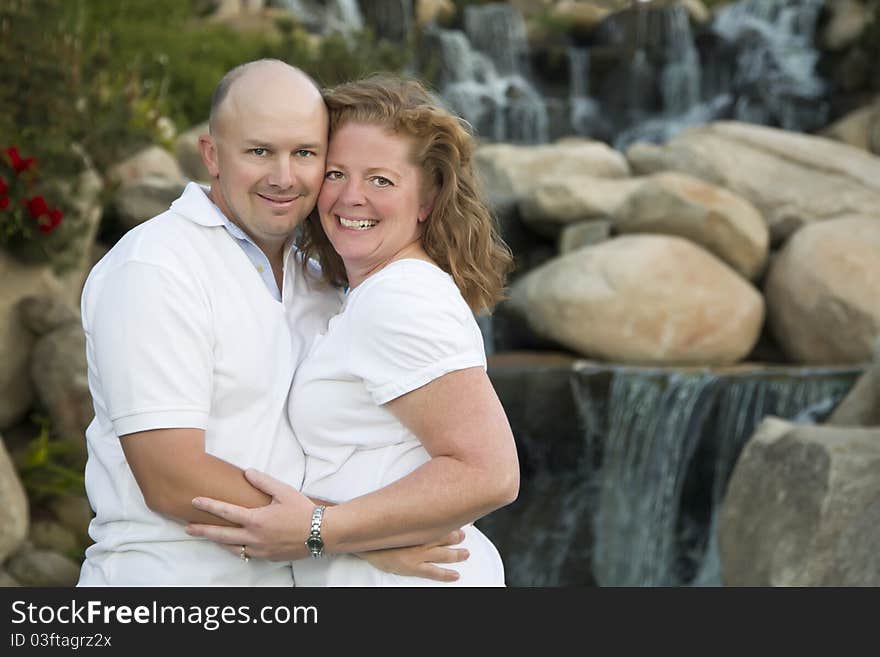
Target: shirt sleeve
{"points": [[151, 343], [408, 331]]}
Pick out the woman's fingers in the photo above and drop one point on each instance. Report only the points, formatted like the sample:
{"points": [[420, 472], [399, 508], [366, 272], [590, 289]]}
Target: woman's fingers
{"points": [[454, 537], [231, 512], [228, 535], [437, 573]]}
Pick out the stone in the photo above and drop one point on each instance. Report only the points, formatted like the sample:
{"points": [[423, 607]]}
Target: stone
{"points": [[74, 513], [7, 580], [802, 508], [721, 222], [792, 179], [859, 128], [846, 25], [861, 406], [822, 292], [584, 233], [141, 200], [51, 535], [188, 155], [642, 299], [43, 568], [441, 12], [151, 162], [14, 508]]}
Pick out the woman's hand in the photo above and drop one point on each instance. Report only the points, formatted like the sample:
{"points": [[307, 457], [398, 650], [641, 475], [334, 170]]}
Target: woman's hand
{"points": [[420, 560], [276, 532]]}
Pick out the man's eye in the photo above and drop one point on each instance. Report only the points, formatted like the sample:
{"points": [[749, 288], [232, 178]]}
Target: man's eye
{"points": [[305, 153], [258, 151]]}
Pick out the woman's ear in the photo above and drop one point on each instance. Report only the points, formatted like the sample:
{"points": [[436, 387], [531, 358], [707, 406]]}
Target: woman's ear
{"points": [[427, 204]]}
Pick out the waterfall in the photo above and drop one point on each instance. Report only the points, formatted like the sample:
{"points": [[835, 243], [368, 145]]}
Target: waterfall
{"points": [[774, 70], [483, 75], [584, 110], [663, 445], [390, 19]]}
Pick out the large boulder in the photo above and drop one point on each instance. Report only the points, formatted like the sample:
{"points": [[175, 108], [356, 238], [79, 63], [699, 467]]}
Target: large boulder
{"points": [[822, 292], [802, 508], [793, 179], [716, 219], [14, 510], [16, 341], [859, 128], [510, 172], [861, 406], [189, 157], [648, 299]]}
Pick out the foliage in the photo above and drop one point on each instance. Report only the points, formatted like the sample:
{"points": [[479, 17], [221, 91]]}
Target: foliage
{"points": [[44, 468]]}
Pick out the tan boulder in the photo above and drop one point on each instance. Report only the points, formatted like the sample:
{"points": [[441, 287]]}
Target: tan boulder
{"points": [[823, 292], [716, 219], [151, 162], [560, 200], [792, 179], [649, 299], [434, 11], [14, 509], [584, 233], [860, 128], [188, 155], [846, 25], [510, 172]]}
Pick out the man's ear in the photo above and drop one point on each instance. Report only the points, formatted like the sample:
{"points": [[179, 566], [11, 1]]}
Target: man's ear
{"points": [[208, 150]]}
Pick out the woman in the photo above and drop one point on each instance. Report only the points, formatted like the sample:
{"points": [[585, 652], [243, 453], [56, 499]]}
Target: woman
{"points": [[393, 400]]}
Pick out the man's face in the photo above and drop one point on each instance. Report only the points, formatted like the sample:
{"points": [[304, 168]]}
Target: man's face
{"points": [[267, 158]]}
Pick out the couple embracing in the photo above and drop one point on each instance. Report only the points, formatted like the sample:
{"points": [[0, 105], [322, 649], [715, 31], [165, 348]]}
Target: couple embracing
{"points": [[278, 407]]}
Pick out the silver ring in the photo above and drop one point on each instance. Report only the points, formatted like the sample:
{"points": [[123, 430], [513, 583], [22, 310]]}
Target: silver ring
{"points": [[243, 555]]}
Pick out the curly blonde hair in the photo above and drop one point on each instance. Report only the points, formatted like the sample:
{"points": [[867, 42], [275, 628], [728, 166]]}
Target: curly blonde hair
{"points": [[460, 234]]}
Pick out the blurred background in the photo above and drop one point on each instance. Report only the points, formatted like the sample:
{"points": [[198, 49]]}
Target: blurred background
{"points": [[688, 353]]}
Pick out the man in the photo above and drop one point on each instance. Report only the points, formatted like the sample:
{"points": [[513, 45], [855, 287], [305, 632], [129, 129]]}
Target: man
{"points": [[195, 322]]}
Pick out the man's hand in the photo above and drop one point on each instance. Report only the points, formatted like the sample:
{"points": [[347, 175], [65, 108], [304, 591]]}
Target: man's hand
{"points": [[420, 560]]}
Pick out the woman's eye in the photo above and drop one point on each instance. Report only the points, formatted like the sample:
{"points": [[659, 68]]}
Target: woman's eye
{"points": [[333, 175], [381, 181]]}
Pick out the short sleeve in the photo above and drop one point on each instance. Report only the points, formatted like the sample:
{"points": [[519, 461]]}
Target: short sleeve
{"points": [[150, 344], [408, 331]]}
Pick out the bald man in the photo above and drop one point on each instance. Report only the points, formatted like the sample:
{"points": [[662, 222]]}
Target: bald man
{"points": [[195, 322]]}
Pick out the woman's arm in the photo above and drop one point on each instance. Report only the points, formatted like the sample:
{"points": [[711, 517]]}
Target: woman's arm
{"points": [[473, 470]]}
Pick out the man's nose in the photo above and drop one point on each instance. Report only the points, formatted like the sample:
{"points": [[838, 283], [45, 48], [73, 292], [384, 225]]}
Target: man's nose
{"points": [[281, 174]]}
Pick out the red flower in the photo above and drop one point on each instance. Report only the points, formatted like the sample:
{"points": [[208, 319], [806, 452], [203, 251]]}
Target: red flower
{"points": [[3, 186], [36, 206], [4, 202], [18, 163], [50, 224]]}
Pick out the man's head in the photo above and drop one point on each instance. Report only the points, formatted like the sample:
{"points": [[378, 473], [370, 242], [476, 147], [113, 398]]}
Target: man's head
{"points": [[266, 149]]}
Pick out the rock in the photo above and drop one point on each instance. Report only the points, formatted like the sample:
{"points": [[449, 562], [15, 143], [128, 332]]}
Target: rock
{"points": [[51, 535], [151, 162], [510, 171], [584, 233], [188, 155], [16, 341], [792, 179], [441, 12], [141, 200], [719, 221], [564, 200], [860, 128], [802, 508], [861, 407], [648, 299], [697, 10], [822, 292], [7, 580], [74, 513], [580, 17], [847, 23], [14, 510], [42, 314], [43, 568]]}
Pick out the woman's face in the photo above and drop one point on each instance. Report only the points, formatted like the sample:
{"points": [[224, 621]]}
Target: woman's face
{"points": [[372, 202]]}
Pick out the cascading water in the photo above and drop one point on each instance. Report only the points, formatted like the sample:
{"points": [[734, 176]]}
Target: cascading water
{"points": [[671, 443], [483, 75], [756, 62]]}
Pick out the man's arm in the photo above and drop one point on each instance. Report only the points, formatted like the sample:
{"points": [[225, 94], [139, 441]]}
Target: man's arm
{"points": [[171, 467]]}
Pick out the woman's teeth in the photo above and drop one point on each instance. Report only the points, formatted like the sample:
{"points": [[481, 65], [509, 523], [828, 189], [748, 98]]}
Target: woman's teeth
{"points": [[357, 224]]}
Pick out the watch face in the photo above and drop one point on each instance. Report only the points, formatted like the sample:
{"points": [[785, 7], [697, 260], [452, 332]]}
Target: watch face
{"points": [[314, 543]]}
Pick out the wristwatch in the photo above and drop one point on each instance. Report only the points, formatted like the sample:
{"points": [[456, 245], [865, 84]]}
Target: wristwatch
{"points": [[314, 542]]}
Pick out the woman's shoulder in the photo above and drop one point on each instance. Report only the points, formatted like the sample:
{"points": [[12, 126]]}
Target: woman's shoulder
{"points": [[405, 287]]}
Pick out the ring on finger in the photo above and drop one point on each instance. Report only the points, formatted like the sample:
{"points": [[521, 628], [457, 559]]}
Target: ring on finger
{"points": [[243, 554]]}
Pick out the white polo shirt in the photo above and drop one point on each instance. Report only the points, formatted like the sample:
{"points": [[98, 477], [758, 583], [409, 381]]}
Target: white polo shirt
{"points": [[182, 332]]}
